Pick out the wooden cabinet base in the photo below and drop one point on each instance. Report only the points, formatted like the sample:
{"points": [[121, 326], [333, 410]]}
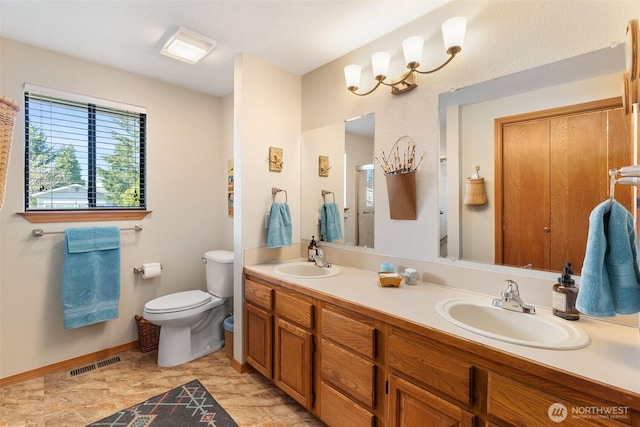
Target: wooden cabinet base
{"points": [[337, 410], [410, 406]]}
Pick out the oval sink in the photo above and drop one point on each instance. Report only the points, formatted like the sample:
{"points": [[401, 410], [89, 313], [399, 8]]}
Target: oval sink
{"points": [[306, 270], [540, 330]]}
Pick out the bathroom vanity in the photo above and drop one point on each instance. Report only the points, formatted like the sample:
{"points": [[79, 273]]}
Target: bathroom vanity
{"points": [[354, 353]]}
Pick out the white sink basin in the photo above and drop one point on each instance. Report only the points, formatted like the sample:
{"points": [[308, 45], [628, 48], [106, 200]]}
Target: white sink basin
{"points": [[306, 270], [540, 330]]}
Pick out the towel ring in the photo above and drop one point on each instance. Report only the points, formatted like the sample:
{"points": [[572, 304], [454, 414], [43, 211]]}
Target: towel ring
{"points": [[324, 194], [275, 191]]}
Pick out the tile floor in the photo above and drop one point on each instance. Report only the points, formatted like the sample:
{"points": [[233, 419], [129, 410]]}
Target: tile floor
{"points": [[55, 400]]}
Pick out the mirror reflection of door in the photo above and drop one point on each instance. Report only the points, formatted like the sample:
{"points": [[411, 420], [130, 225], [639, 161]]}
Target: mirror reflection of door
{"points": [[365, 217], [551, 171]]}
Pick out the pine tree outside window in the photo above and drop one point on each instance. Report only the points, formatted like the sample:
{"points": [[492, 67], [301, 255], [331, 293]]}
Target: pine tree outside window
{"points": [[83, 153]]}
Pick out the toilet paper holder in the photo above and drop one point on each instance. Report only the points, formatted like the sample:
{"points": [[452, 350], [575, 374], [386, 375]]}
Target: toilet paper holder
{"points": [[140, 269]]}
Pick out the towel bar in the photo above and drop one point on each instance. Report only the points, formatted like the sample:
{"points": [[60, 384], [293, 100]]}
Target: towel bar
{"points": [[39, 232], [325, 193], [275, 191]]}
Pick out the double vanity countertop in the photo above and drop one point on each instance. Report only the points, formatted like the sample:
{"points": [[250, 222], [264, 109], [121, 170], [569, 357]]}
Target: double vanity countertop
{"points": [[612, 357]]}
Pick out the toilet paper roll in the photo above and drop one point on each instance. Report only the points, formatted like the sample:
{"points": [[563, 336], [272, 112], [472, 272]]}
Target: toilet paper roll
{"points": [[151, 269]]}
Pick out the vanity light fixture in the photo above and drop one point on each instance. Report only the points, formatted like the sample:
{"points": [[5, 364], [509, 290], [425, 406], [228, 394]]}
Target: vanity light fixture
{"points": [[188, 46], [453, 31]]}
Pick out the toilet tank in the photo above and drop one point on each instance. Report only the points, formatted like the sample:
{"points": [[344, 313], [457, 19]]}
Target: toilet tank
{"points": [[219, 266]]}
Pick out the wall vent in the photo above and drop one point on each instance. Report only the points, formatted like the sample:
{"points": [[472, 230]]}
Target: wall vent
{"points": [[93, 366]]}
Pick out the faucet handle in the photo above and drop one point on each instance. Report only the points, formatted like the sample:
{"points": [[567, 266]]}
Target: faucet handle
{"points": [[512, 287]]}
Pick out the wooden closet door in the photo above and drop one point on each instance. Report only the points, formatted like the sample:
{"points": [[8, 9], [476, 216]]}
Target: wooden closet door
{"points": [[579, 182], [570, 150], [525, 193]]}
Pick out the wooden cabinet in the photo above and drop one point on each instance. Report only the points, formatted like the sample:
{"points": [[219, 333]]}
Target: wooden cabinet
{"points": [[518, 403], [348, 369], [258, 327], [431, 364], [293, 347], [411, 405], [427, 384], [354, 366], [279, 338]]}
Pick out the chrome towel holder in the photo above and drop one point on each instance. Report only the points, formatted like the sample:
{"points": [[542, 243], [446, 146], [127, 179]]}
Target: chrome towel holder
{"points": [[39, 232]]}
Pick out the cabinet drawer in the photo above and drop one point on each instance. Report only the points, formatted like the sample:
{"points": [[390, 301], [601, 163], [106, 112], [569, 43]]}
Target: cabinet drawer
{"points": [[351, 374], [353, 334], [429, 362], [337, 410], [519, 403], [258, 294], [295, 309]]}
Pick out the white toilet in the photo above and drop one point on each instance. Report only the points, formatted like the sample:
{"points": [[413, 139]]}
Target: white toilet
{"points": [[191, 321]]}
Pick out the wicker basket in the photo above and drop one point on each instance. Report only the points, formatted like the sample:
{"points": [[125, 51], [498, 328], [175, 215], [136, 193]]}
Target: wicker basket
{"points": [[8, 110], [148, 334]]}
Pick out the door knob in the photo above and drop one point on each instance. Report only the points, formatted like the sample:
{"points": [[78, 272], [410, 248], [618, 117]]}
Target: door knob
{"points": [[547, 230]]}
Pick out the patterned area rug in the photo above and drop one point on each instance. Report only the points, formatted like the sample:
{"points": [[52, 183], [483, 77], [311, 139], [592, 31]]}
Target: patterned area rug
{"points": [[187, 405]]}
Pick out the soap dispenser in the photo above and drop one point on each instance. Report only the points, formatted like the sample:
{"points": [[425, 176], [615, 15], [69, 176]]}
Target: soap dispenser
{"points": [[313, 249], [564, 295]]}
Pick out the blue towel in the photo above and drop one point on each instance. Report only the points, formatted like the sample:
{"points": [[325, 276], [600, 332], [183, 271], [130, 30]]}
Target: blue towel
{"points": [[280, 230], [330, 224], [610, 278], [90, 276]]}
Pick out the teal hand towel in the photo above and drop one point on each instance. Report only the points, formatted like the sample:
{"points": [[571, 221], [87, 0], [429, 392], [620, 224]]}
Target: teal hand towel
{"points": [[90, 276], [280, 230], [610, 280], [330, 223]]}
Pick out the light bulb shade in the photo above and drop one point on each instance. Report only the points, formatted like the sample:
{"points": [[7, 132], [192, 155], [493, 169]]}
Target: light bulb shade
{"points": [[453, 31], [412, 48], [380, 63], [352, 75]]}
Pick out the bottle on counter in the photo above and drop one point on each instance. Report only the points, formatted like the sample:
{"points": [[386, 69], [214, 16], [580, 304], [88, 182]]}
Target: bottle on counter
{"points": [[564, 295], [313, 249]]}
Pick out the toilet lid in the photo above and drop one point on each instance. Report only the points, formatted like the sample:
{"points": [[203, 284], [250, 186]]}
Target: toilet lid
{"points": [[178, 301]]}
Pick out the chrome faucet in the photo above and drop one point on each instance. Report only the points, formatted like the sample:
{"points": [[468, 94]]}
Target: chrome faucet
{"points": [[319, 259], [510, 300]]}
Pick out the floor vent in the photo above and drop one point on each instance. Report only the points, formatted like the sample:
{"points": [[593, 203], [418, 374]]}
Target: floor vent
{"points": [[93, 366], [108, 362]]}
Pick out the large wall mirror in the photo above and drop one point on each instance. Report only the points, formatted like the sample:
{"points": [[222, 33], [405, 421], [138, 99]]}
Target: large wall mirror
{"points": [[469, 119], [337, 167]]}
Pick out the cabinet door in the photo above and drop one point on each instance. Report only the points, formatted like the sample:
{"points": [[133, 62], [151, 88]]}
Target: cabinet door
{"points": [[410, 406], [292, 371], [258, 340]]}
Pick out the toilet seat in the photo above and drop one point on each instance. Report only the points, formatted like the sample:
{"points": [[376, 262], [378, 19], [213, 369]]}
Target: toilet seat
{"points": [[181, 301]]}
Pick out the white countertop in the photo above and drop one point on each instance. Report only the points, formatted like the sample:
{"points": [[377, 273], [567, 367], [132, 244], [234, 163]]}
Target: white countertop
{"points": [[613, 357]]}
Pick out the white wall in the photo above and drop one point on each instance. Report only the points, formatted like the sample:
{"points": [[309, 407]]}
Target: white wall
{"points": [[266, 114], [186, 192]]}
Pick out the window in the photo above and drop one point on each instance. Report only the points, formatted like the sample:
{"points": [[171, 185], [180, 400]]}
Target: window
{"points": [[83, 153]]}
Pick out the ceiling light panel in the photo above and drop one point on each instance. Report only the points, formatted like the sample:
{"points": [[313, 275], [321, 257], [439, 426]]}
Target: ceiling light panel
{"points": [[188, 46]]}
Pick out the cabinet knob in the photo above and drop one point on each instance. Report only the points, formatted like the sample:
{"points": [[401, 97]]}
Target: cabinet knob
{"points": [[547, 230]]}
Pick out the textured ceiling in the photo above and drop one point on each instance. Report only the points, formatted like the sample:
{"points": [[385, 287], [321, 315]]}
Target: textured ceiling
{"points": [[298, 36]]}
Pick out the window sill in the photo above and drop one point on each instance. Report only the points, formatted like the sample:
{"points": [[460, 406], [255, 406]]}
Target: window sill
{"points": [[83, 216]]}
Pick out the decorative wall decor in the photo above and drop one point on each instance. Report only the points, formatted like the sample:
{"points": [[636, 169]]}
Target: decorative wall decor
{"points": [[323, 166], [400, 168], [275, 159], [230, 187]]}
